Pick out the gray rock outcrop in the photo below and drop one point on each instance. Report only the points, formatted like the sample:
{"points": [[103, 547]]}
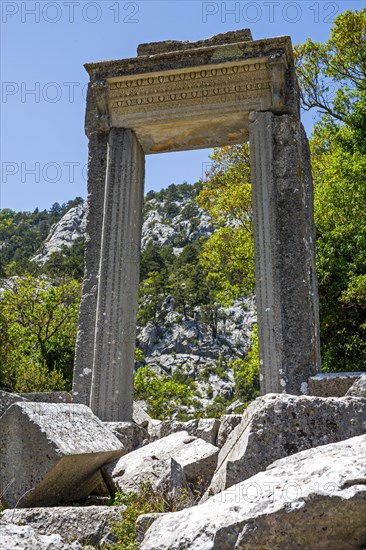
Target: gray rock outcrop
{"points": [[74, 524], [314, 499], [65, 232], [279, 425]]}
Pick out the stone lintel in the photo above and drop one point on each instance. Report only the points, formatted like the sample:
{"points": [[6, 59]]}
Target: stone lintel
{"points": [[153, 48], [197, 97]]}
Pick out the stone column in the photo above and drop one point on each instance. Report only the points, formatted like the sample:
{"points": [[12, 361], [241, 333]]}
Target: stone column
{"points": [[84, 352], [284, 237], [115, 329]]}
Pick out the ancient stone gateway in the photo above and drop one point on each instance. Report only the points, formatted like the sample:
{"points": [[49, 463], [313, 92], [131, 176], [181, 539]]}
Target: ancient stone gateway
{"points": [[189, 95]]}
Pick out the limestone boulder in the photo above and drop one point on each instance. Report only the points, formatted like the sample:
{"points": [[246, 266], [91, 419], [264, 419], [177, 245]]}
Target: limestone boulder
{"points": [[332, 384], [279, 425], [358, 388], [131, 435], [90, 525], [164, 475], [153, 463], [51, 453], [140, 416], [314, 499], [48, 397], [8, 399], [204, 428], [23, 537], [227, 423]]}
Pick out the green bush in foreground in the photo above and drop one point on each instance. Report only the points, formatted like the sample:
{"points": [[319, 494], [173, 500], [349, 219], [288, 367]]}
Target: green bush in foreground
{"points": [[146, 501]]}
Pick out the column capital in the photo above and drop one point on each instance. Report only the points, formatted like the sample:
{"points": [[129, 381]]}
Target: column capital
{"points": [[97, 118]]}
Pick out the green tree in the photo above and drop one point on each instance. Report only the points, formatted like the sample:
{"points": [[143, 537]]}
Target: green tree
{"points": [[246, 372], [153, 293], [333, 80], [332, 75], [164, 396], [38, 323], [68, 262], [228, 256]]}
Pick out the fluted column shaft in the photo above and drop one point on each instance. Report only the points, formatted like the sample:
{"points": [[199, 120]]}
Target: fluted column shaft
{"points": [[284, 237]]}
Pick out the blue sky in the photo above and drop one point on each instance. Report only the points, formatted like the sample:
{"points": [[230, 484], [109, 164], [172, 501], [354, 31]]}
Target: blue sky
{"points": [[44, 45]]}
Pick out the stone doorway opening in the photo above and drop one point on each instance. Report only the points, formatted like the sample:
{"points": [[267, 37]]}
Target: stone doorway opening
{"points": [[178, 96]]}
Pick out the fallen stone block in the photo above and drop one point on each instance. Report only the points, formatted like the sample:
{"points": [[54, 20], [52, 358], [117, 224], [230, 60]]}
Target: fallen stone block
{"points": [[227, 423], [23, 537], [279, 425], [48, 397], [358, 388], [8, 399], [84, 525], [140, 416], [197, 459], [332, 384], [165, 476], [51, 453], [204, 428], [131, 435], [315, 499]]}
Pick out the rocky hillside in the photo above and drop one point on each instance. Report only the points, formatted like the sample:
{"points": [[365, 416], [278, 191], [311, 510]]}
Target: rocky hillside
{"points": [[198, 339], [182, 330]]}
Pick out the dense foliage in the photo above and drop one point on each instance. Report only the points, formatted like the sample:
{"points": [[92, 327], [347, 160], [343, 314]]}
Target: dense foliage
{"points": [[145, 501], [333, 80], [23, 233], [37, 334]]}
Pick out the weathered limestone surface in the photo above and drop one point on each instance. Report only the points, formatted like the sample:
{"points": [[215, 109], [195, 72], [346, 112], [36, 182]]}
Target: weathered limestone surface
{"points": [[315, 499], [279, 425], [115, 330], [165, 475], [84, 525], [48, 397], [204, 428], [197, 458], [7, 399], [131, 435], [227, 424], [153, 48], [358, 388], [84, 352], [332, 384], [23, 537], [140, 416], [51, 453], [284, 238]]}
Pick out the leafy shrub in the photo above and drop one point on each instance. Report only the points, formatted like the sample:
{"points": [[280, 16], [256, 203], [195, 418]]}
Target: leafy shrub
{"points": [[246, 372], [163, 395], [38, 323], [146, 501]]}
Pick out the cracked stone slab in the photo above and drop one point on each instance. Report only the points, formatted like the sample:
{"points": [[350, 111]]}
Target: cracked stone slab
{"points": [[52, 453]]}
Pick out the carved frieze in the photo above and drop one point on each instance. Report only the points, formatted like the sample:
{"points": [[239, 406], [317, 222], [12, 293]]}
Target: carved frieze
{"points": [[232, 82]]}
